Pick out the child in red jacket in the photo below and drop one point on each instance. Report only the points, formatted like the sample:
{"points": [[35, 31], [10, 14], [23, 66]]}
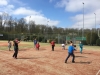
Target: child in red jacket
{"points": [[37, 46], [53, 45]]}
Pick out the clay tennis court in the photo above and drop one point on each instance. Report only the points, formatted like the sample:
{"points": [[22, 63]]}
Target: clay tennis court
{"points": [[47, 62]]}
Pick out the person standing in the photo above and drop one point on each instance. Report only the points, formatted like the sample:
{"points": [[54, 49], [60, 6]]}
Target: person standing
{"points": [[35, 42], [9, 44], [81, 47], [15, 44], [63, 46], [53, 45], [71, 52]]}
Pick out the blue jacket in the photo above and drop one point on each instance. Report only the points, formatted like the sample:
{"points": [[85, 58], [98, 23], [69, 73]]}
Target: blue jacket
{"points": [[81, 45], [35, 41], [71, 49]]}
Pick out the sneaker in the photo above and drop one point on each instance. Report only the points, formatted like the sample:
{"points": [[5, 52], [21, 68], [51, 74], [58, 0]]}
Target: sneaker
{"points": [[73, 61], [65, 61]]}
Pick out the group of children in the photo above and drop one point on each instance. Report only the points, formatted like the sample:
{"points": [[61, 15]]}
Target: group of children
{"points": [[37, 45], [15, 45], [71, 48], [80, 46]]}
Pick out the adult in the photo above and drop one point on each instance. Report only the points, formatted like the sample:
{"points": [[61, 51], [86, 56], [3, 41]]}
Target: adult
{"points": [[35, 42]]}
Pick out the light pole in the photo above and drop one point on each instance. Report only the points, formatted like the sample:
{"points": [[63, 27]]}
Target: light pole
{"points": [[47, 28], [78, 29], [29, 24], [83, 22], [5, 18], [29, 28], [95, 21], [91, 37], [13, 22], [47, 24]]}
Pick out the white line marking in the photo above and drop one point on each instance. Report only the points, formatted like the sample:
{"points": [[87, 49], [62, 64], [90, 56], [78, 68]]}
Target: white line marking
{"points": [[98, 72]]}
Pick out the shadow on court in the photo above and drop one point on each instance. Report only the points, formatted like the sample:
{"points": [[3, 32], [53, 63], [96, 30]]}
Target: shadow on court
{"points": [[42, 49], [83, 53], [87, 62], [30, 57], [86, 53], [80, 57], [23, 49], [59, 50], [81, 62]]}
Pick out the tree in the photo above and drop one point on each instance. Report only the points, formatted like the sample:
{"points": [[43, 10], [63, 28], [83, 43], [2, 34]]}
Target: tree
{"points": [[94, 38], [91, 38], [98, 42], [88, 38], [1, 26]]}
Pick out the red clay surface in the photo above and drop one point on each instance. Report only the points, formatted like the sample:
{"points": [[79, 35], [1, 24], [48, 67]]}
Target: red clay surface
{"points": [[47, 62]]}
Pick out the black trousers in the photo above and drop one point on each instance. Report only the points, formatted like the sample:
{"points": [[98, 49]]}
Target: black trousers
{"points": [[70, 54], [53, 47], [16, 52], [37, 48]]}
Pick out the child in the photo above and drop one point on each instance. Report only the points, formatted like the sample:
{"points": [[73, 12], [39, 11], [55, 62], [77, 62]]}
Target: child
{"points": [[81, 47], [37, 46], [63, 46], [15, 44], [9, 44], [53, 45], [71, 52]]}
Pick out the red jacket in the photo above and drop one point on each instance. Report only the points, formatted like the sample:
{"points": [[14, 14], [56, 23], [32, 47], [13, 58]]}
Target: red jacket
{"points": [[53, 43], [37, 45]]}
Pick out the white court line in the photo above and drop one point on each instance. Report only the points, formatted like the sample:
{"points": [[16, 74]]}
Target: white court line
{"points": [[98, 72]]}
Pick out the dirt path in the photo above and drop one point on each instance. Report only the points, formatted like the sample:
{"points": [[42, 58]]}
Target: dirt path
{"points": [[47, 62]]}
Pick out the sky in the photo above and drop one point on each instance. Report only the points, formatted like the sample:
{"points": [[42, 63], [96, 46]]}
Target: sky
{"points": [[60, 13]]}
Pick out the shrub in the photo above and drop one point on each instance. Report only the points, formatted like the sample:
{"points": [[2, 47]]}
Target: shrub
{"points": [[98, 42], [91, 38]]}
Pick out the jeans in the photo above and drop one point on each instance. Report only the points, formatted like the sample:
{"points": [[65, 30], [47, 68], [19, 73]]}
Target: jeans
{"points": [[81, 48], [16, 52], [70, 54]]}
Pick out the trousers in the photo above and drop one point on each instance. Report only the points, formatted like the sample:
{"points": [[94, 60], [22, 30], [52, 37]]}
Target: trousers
{"points": [[70, 54]]}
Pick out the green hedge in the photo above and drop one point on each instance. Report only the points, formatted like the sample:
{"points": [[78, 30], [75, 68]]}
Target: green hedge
{"points": [[98, 42]]}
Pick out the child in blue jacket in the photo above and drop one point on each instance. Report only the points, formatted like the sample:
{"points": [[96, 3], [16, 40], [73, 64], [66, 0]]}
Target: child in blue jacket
{"points": [[71, 52]]}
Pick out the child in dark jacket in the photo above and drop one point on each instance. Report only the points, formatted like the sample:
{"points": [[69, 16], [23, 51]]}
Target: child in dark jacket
{"points": [[37, 46]]}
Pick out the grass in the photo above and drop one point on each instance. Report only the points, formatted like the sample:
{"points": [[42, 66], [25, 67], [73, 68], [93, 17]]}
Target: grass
{"points": [[27, 45], [92, 47], [22, 45]]}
